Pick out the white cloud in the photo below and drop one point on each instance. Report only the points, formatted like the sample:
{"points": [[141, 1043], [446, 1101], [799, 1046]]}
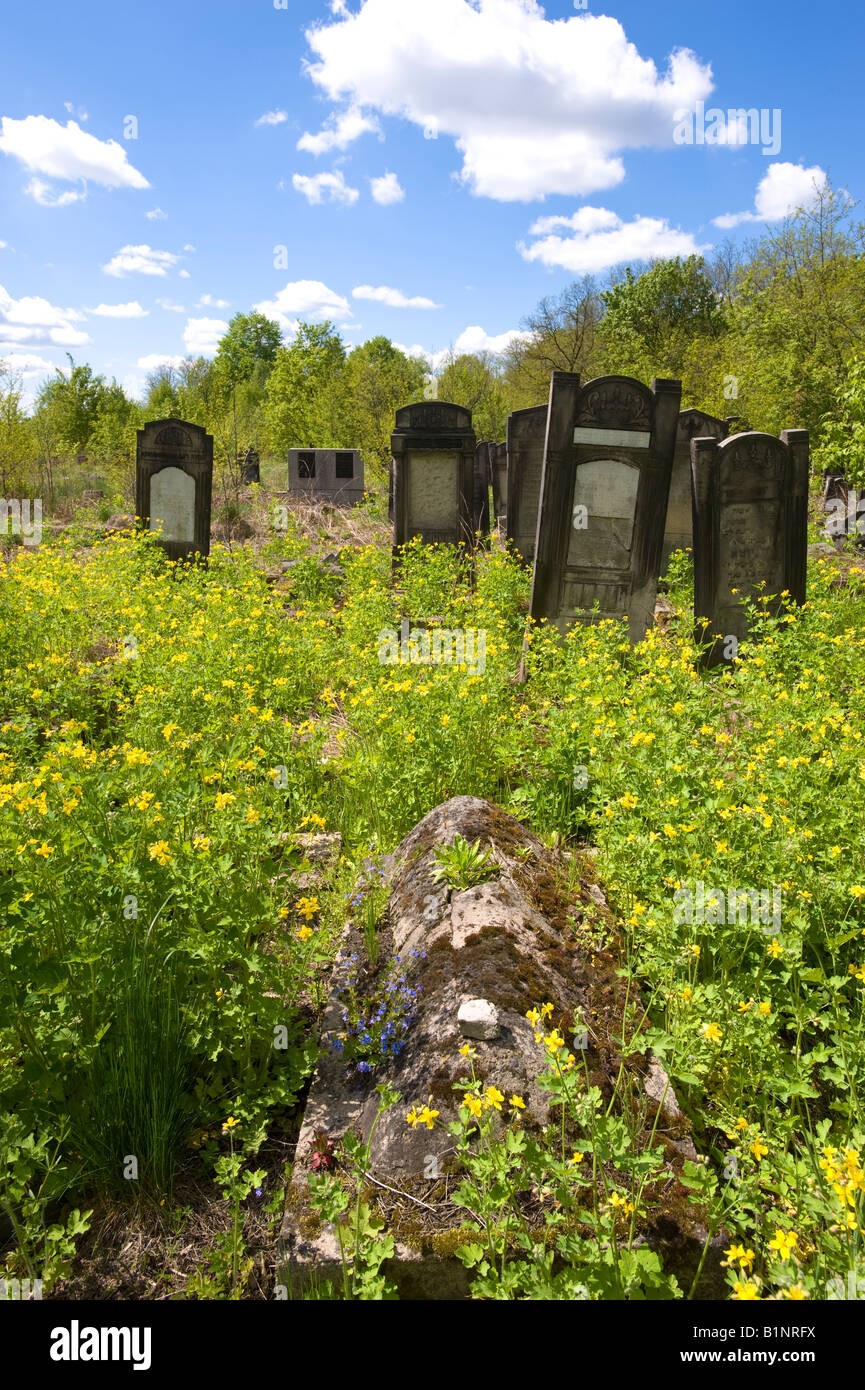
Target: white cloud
{"points": [[395, 299], [132, 310], [387, 190], [320, 188], [272, 118], [536, 106], [600, 239], [783, 189], [202, 336], [25, 364], [74, 110], [207, 301], [68, 153], [339, 131], [474, 339], [183, 274], [35, 320], [304, 299], [189, 247], [156, 215], [174, 308], [44, 194], [141, 259], [153, 360]]}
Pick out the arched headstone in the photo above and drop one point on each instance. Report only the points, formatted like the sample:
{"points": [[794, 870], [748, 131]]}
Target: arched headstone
{"points": [[433, 448], [173, 482]]}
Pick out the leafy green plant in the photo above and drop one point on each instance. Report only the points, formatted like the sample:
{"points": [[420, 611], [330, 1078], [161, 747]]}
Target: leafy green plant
{"points": [[462, 865]]}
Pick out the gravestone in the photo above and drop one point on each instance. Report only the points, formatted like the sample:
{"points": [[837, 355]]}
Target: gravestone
{"points": [[524, 453], [606, 479], [499, 473], [678, 533], [326, 475], [482, 490], [250, 469], [750, 530], [173, 481], [433, 448]]}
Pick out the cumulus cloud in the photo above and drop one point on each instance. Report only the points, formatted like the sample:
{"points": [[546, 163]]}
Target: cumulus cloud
{"points": [[594, 239], [207, 301], [132, 310], [272, 118], [156, 215], [202, 336], [74, 110], [535, 106], [44, 194], [395, 299], [783, 189], [339, 131], [473, 339], [325, 188], [174, 308], [32, 319], [142, 260], [25, 364], [46, 147], [387, 190], [305, 299], [154, 360]]}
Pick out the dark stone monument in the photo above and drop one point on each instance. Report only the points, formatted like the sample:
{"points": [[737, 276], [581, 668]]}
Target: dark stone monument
{"points": [[524, 453], [433, 448], [606, 478], [482, 492], [678, 534], [250, 468], [499, 476], [173, 481], [326, 475], [750, 530]]}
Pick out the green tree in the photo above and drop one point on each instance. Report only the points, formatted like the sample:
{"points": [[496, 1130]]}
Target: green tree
{"points": [[650, 319], [247, 350], [305, 403], [74, 401], [14, 434], [379, 378], [562, 337], [475, 380]]}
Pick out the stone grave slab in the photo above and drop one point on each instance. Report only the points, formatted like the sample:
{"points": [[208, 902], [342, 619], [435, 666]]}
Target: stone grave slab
{"points": [[679, 531], [524, 451], [750, 530], [326, 475], [433, 447], [173, 482], [608, 460]]}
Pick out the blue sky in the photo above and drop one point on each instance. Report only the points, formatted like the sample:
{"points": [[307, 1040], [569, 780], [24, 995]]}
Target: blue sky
{"points": [[426, 169]]}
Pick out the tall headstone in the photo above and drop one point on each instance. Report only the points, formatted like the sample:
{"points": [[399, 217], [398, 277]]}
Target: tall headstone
{"points": [[481, 496], [173, 482], [526, 431], [499, 471], [750, 530], [678, 534], [326, 475], [433, 448], [250, 468], [606, 478]]}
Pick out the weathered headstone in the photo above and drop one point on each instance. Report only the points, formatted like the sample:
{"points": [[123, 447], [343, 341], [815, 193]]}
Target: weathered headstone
{"points": [[607, 464], [482, 490], [433, 448], [326, 475], [250, 468], [678, 534], [750, 530], [173, 482], [499, 475], [524, 451]]}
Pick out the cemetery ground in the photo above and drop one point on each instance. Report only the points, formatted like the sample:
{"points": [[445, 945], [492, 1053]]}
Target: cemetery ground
{"points": [[176, 745]]}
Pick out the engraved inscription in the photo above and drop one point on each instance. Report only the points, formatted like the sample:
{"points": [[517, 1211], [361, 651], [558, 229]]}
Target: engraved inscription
{"points": [[607, 488], [433, 492], [172, 503]]}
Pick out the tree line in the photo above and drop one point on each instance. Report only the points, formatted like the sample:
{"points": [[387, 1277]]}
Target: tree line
{"points": [[770, 331]]}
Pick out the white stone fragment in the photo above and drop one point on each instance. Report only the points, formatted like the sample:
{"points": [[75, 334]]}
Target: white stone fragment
{"points": [[478, 1019]]}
